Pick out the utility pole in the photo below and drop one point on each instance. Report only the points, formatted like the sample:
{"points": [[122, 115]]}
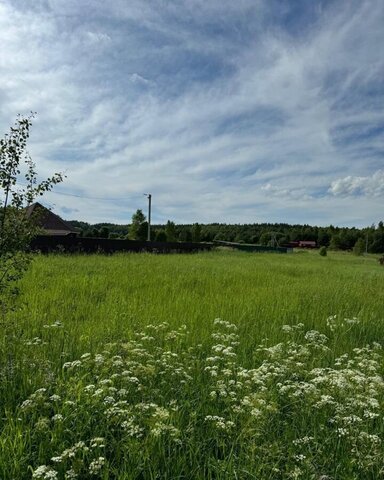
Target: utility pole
{"points": [[149, 196]]}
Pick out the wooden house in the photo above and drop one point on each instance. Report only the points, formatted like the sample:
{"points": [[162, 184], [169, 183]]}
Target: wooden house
{"points": [[49, 222]]}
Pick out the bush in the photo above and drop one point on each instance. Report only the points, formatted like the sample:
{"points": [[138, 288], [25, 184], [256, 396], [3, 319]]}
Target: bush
{"points": [[323, 251]]}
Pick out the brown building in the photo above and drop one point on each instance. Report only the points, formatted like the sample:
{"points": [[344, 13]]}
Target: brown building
{"points": [[50, 223]]}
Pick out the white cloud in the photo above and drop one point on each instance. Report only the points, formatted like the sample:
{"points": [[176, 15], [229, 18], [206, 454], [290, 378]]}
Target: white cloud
{"points": [[220, 115], [371, 186]]}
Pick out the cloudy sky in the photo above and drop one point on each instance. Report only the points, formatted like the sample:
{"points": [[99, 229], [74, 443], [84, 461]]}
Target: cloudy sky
{"points": [[226, 111]]}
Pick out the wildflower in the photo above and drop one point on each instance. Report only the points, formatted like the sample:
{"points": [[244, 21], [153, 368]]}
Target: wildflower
{"points": [[27, 404], [40, 391], [287, 328], [42, 424], [44, 473], [106, 381], [97, 442], [58, 417], [131, 429], [303, 441], [299, 458], [58, 459], [89, 388], [96, 465], [122, 392], [161, 413], [219, 422], [35, 341], [315, 337], [99, 359], [70, 475]]}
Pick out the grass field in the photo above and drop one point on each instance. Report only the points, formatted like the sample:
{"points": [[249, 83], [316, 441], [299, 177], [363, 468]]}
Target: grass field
{"points": [[114, 367]]}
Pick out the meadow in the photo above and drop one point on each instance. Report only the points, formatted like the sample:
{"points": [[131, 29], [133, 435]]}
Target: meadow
{"points": [[219, 365]]}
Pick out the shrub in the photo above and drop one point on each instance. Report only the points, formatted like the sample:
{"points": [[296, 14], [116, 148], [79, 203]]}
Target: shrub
{"points": [[323, 251]]}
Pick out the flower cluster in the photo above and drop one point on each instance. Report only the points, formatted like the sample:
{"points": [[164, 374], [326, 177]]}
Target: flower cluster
{"points": [[153, 395]]}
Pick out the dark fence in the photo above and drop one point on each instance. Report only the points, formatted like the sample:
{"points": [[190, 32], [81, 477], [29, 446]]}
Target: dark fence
{"points": [[57, 243], [245, 247]]}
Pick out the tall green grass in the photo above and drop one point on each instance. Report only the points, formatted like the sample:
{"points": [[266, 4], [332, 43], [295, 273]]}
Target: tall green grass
{"points": [[98, 305]]}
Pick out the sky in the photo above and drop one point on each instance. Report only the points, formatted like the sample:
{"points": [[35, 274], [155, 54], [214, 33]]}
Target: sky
{"points": [[243, 111]]}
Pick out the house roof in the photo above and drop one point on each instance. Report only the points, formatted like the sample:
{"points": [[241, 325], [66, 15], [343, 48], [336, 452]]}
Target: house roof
{"points": [[48, 220]]}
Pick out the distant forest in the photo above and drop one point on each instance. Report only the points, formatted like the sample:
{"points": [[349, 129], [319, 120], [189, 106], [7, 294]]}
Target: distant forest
{"points": [[337, 238]]}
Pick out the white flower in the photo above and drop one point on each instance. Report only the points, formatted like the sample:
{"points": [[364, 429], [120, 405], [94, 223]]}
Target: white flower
{"points": [[70, 475], [58, 459], [45, 473], [97, 442], [96, 465]]}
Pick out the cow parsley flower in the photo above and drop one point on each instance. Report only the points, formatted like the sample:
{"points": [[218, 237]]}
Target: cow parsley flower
{"points": [[44, 473], [96, 465]]}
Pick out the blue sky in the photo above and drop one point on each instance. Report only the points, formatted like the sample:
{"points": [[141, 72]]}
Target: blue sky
{"points": [[237, 112]]}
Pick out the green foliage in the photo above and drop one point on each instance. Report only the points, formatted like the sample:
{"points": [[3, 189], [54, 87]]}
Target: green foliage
{"points": [[161, 236], [359, 247], [170, 230], [174, 406], [344, 238], [323, 251], [104, 232], [323, 238], [196, 232], [377, 244], [185, 235], [16, 228], [110, 384], [139, 227], [265, 238]]}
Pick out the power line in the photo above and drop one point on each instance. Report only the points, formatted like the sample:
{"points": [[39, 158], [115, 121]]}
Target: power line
{"points": [[117, 199], [90, 198]]}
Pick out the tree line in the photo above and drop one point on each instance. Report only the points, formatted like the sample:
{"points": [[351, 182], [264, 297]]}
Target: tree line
{"points": [[369, 239]]}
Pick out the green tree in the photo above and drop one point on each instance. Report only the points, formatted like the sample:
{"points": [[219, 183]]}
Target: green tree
{"points": [[104, 232], [170, 230], [16, 228], [196, 232], [139, 226], [377, 245], [161, 236], [359, 247], [185, 235], [323, 238], [335, 243], [265, 238]]}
